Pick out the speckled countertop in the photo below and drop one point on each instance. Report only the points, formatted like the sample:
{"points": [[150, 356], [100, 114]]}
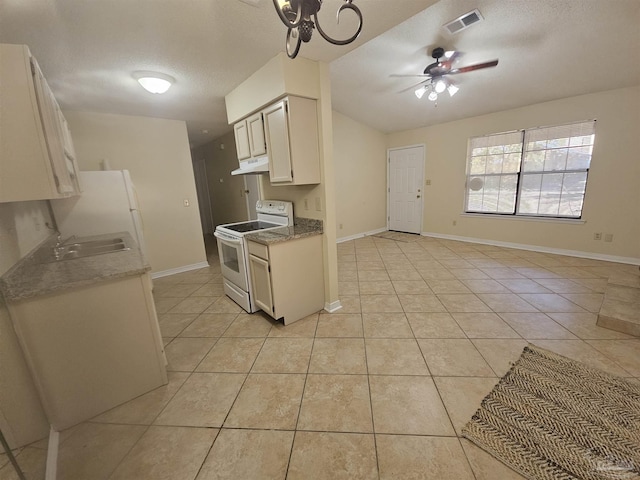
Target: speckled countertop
{"points": [[39, 273], [302, 227]]}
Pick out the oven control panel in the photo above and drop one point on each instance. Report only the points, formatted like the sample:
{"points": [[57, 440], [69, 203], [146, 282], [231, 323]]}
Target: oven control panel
{"points": [[275, 207]]}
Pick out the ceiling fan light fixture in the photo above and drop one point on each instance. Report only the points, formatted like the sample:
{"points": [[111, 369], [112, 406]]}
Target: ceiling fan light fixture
{"points": [[452, 89], [433, 96], [420, 92], [440, 85], [154, 82]]}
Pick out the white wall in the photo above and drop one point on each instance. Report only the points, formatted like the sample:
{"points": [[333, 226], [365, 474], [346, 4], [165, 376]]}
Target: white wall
{"points": [[361, 176], [612, 197], [22, 419], [156, 152]]}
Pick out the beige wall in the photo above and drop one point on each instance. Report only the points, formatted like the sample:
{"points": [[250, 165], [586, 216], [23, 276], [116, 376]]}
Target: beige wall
{"points": [[280, 76], [310, 79], [361, 177], [22, 419], [156, 152], [226, 191], [612, 197]]}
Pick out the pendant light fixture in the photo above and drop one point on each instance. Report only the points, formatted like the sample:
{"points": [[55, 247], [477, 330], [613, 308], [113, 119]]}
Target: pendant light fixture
{"points": [[297, 17]]}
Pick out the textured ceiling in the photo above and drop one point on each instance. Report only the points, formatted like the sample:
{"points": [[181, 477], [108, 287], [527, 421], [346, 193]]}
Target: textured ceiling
{"points": [[548, 49], [88, 50]]}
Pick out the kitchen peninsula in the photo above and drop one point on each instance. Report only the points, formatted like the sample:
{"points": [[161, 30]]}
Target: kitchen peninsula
{"points": [[87, 326]]}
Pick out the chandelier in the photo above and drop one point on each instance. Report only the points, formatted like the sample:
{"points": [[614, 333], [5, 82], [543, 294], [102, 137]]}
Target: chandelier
{"points": [[297, 14]]}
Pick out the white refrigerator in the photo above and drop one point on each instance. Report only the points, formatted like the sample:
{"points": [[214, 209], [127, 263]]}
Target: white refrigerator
{"points": [[107, 204]]}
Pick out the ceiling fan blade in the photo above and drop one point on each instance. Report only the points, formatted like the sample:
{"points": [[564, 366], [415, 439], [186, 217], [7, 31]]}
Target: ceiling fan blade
{"points": [[414, 75], [448, 61], [414, 86], [471, 68], [453, 57]]}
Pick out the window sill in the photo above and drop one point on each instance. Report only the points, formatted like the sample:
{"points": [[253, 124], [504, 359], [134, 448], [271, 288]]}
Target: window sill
{"points": [[574, 221]]}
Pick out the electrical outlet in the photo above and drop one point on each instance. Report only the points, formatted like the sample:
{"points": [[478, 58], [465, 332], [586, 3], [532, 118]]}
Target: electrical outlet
{"points": [[455, 223], [340, 226], [597, 236], [608, 237], [306, 204], [427, 182], [185, 202], [318, 204]]}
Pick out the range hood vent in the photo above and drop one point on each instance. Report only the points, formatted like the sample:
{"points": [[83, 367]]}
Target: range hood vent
{"points": [[254, 166], [463, 22]]}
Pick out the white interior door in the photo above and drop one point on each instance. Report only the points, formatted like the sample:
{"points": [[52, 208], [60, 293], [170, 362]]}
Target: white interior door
{"points": [[406, 177], [252, 194]]}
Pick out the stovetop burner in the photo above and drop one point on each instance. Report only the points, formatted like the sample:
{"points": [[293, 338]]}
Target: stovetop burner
{"points": [[250, 226]]}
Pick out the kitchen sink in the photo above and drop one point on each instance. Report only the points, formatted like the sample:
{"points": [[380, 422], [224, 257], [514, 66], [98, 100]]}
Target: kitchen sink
{"points": [[89, 248]]}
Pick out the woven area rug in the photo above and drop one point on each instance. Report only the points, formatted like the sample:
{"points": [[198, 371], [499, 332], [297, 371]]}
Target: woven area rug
{"points": [[551, 417]]}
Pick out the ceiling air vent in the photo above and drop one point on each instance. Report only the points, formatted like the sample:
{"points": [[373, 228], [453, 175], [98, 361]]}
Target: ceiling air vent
{"points": [[464, 21]]}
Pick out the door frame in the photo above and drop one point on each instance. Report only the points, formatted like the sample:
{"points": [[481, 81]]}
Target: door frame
{"points": [[246, 196], [424, 161], [203, 195]]}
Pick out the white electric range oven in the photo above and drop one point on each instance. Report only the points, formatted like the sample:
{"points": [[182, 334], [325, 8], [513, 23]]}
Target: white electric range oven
{"points": [[233, 250]]}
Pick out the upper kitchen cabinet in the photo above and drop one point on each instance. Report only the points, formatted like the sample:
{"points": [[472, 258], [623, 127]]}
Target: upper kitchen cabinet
{"points": [[37, 159], [291, 130], [249, 134]]}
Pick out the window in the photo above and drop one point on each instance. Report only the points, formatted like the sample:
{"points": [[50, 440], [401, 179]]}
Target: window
{"points": [[540, 172]]}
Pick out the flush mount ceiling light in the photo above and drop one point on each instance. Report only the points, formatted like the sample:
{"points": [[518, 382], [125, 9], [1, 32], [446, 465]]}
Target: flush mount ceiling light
{"points": [[296, 16], [154, 82]]}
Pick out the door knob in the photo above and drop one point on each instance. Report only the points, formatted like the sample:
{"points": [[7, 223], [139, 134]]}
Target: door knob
{"points": [[417, 196]]}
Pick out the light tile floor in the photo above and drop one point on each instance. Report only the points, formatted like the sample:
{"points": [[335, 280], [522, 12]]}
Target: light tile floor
{"points": [[378, 390]]}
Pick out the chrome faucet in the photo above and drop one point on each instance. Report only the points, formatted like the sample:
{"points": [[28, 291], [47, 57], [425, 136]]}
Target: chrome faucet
{"points": [[59, 249]]}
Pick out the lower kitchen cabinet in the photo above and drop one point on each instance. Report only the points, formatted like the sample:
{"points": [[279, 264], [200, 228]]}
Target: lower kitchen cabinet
{"points": [[287, 277], [91, 348]]}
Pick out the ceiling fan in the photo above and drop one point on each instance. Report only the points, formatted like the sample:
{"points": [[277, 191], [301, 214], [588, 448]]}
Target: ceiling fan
{"points": [[436, 74]]}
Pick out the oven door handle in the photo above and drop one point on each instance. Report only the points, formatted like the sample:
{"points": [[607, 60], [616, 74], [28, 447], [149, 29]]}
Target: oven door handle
{"points": [[228, 238]]}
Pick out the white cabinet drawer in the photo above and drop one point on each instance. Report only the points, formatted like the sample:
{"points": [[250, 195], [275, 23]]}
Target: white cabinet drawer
{"points": [[259, 250]]}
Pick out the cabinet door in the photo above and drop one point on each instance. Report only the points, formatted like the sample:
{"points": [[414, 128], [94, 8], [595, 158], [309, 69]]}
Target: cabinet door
{"points": [[261, 283], [277, 132], [69, 152], [257, 144], [50, 117], [242, 140]]}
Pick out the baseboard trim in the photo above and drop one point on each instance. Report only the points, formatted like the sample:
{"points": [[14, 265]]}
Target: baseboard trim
{"points": [[360, 235], [51, 466], [185, 268], [333, 306], [538, 248]]}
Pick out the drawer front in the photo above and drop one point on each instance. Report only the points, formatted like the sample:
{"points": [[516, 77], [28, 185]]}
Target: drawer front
{"points": [[259, 250]]}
